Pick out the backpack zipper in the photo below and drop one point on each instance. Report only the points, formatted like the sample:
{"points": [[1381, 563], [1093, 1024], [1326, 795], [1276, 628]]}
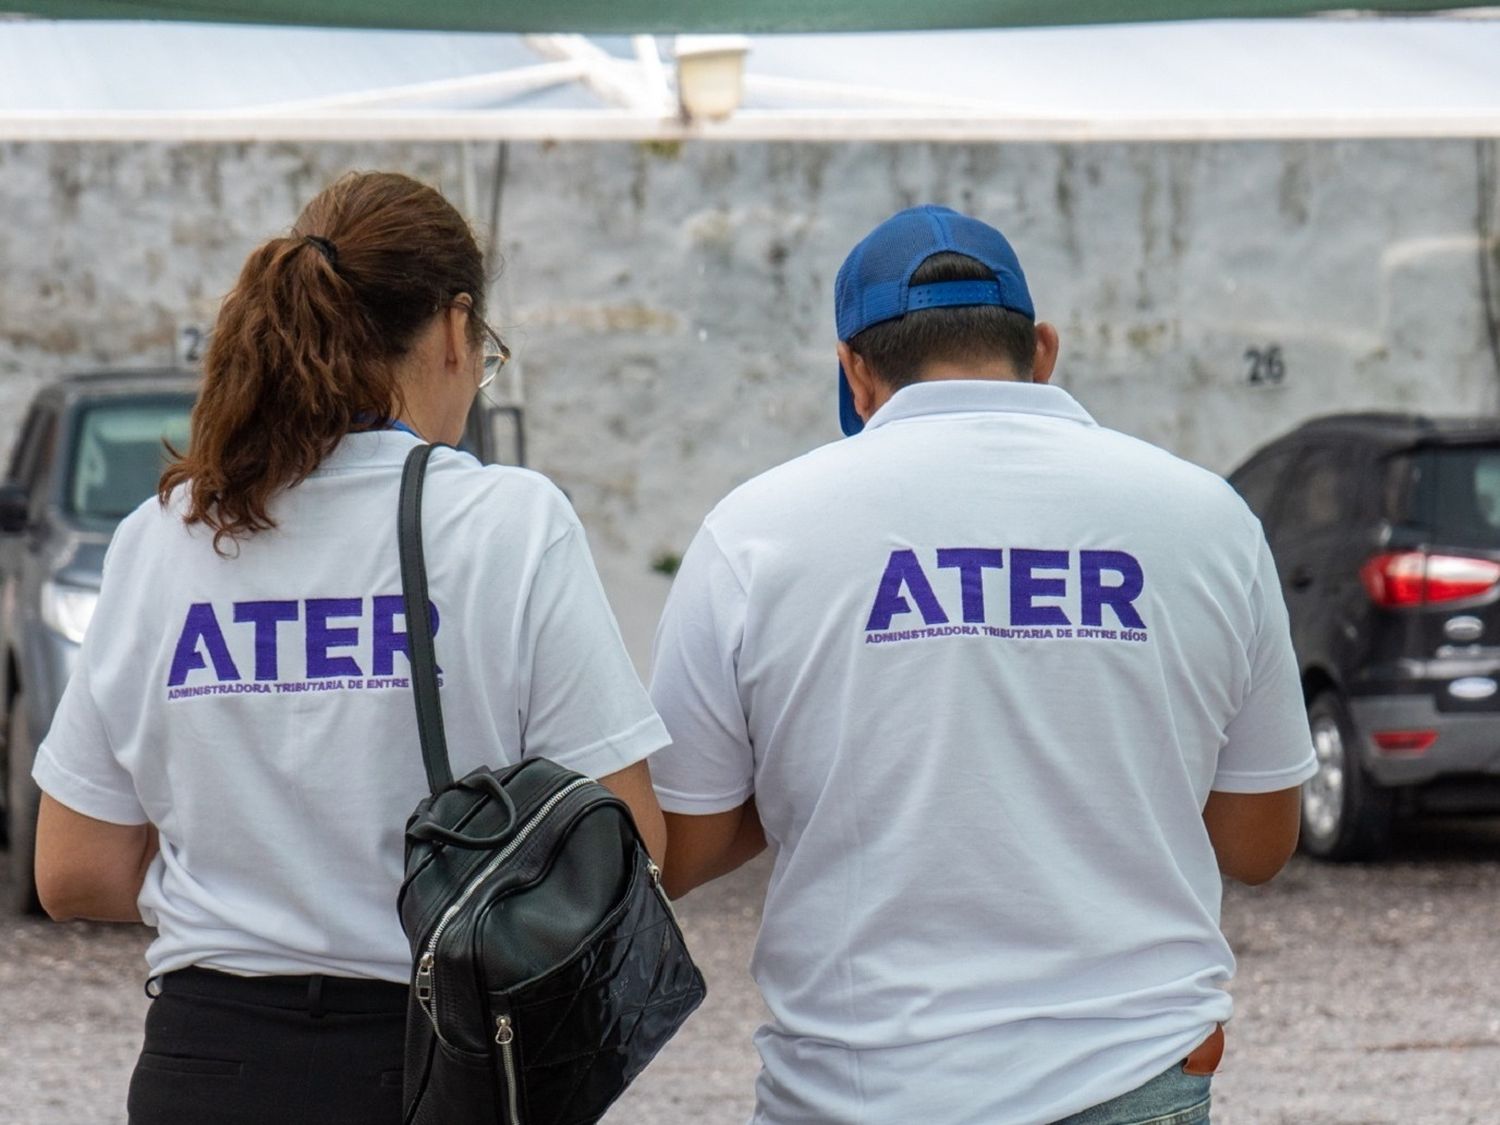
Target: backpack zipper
{"points": [[426, 976], [505, 1032], [655, 873], [505, 1036]]}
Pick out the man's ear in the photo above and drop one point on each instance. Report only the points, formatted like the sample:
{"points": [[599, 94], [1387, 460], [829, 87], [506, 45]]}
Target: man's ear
{"points": [[1045, 360], [864, 384]]}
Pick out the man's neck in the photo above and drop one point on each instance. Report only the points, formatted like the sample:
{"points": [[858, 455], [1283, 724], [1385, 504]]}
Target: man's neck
{"points": [[995, 370], [941, 371]]}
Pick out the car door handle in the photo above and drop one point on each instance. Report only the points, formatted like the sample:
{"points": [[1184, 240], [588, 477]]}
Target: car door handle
{"points": [[1300, 579]]}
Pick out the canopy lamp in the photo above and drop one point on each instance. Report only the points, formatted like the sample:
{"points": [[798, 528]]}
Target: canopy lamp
{"points": [[710, 75]]}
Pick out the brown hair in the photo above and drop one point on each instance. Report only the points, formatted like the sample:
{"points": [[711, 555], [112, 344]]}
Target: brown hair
{"points": [[304, 348]]}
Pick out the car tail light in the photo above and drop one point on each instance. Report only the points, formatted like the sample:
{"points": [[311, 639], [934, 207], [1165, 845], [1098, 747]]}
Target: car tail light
{"points": [[1404, 741], [1407, 578]]}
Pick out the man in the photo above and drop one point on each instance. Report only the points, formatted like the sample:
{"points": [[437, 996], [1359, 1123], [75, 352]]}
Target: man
{"points": [[1008, 691]]}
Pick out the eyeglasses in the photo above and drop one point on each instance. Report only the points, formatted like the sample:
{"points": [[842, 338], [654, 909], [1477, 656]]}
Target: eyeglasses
{"points": [[495, 356]]}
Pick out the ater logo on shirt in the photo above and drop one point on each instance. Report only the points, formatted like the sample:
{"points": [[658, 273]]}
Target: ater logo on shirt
{"points": [[290, 646], [1052, 595]]}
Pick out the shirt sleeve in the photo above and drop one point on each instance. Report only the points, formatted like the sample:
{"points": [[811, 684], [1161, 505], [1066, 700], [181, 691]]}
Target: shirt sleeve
{"points": [[1268, 745], [710, 766], [583, 704], [75, 764]]}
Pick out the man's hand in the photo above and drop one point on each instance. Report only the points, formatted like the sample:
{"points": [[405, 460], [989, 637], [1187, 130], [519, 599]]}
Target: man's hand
{"points": [[702, 848], [1253, 834]]}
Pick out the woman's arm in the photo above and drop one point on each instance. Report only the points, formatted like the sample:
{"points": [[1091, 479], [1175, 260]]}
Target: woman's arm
{"points": [[87, 868], [633, 786]]}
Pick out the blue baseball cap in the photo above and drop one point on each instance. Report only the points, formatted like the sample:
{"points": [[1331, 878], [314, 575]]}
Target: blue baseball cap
{"points": [[874, 283]]}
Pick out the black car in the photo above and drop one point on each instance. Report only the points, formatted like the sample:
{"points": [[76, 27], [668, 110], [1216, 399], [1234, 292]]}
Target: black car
{"points": [[1386, 533], [88, 452]]}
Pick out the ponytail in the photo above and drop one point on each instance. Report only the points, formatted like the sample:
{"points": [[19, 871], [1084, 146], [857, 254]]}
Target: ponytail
{"points": [[305, 346]]}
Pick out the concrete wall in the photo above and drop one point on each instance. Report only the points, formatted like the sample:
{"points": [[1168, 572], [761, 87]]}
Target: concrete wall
{"points": [[671, 306]]}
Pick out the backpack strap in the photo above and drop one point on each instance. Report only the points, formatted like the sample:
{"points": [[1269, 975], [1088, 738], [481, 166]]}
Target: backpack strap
{"points": [[419, 622]]}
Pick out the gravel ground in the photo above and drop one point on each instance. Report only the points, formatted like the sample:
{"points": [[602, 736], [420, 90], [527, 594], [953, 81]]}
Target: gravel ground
{"points": [[1367, 995]]}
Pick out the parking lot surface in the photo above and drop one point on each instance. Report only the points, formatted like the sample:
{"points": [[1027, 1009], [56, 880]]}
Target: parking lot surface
{"points": [[1366, 995]]}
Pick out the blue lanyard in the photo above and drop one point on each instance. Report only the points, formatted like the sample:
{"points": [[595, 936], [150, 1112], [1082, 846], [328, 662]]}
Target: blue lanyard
{"points": [[365, 420]]}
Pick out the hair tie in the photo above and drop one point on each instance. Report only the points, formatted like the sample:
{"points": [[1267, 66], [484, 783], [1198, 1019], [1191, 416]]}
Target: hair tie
{"points": [[324, 247]]}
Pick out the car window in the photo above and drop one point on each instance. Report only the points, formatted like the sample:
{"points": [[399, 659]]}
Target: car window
{"points": [[1458, 496], [118, 455], [1323, 489], [1257, 482], [1397, 486], [35, 449], [26, 439]]}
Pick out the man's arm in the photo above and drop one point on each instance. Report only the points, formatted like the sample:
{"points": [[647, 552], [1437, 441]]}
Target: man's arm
{"points": [[1253, 834], [706, 778], [702, 848], [87, 868]]}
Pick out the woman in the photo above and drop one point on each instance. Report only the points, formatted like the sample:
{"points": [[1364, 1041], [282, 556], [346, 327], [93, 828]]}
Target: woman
{"points": [[236, 754]]}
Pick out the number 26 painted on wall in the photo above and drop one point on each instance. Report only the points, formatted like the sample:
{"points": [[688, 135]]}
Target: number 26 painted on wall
{"points": [[1267, 368]]}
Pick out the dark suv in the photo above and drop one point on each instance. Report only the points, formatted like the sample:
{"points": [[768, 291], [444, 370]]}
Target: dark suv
{"points": [[1386, 534], [89, 451]]}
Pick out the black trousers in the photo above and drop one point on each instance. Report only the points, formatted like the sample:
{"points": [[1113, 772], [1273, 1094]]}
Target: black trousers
{"points": [[227, 1050]]}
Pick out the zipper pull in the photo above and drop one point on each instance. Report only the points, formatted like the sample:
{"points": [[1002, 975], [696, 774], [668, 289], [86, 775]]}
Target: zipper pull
{"points": [[504, 1033], [655, 873], [424, 979]]}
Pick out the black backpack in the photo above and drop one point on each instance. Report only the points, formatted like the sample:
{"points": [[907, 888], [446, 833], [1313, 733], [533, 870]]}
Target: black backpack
{"points": [[548, 966]]}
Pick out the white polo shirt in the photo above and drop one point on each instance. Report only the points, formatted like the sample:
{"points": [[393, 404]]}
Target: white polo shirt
{"points": [[258, 711], [980, 666]]}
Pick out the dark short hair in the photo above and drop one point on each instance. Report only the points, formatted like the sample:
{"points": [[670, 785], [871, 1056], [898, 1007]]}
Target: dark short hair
{"points": [[900, 349]]}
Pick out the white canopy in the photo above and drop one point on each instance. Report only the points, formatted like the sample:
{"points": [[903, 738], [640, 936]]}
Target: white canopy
{"points": [[1349, 77]]}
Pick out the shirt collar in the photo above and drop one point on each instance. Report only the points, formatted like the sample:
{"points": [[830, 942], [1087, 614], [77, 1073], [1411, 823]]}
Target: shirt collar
{"points": [[369, 447], [979, 396]]}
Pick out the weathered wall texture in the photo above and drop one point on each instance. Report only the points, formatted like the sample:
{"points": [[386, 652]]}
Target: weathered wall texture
{"points": [[671, 307]]}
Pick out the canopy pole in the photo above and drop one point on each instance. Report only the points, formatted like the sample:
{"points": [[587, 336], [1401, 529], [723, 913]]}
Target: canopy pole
{"points": [[618, 82], [653, 73]]}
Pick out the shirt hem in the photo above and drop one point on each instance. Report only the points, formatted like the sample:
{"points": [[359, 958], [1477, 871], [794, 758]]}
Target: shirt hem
{"points": [[675, 802], [81, 795], [818, 1103], [253, 965], [618, 752], [1232, 781]]}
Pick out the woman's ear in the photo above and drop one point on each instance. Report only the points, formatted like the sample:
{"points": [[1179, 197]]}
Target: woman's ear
{"points": [[456, 331]]}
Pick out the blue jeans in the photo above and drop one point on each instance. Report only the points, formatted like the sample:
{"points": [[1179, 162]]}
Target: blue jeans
{"points": [[1171, 1098]]}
